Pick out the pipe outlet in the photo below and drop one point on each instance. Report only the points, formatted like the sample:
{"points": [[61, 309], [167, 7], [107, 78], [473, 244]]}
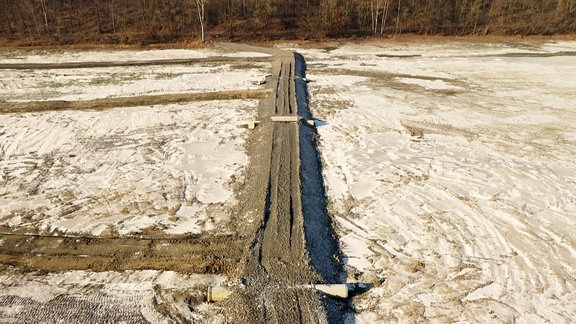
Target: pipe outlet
{"points": [[216, 294]]}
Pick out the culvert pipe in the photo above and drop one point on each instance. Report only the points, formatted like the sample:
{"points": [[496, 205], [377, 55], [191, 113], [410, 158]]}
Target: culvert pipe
{"points": [[335, 290], [216, 294]]}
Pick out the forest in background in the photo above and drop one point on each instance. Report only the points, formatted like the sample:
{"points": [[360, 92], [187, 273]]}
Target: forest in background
{"points": [[40, 22]]}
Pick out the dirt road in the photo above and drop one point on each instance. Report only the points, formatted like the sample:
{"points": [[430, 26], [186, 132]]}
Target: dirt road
{"points": [[280, 261]]}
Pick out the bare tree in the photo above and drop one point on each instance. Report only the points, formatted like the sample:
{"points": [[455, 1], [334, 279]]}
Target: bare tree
{"points": [[201, 15], [384, 16], [44, 14], [379, 13], [398, 18], [111, 9]]}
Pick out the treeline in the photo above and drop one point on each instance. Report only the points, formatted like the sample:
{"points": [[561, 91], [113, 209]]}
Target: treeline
{"points": [[131, 21]]}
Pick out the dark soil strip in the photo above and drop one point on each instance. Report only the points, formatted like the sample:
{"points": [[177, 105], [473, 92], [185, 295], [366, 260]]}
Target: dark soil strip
{"points": [[110, 103], [84, 65], [520, 54], [510, 54], [321, 242], [398, 56], [279, 265], [214, 255]]}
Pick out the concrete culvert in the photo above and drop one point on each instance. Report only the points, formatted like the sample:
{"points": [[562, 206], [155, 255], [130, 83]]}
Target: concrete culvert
{"points": [[216, 294], [336, 290]]}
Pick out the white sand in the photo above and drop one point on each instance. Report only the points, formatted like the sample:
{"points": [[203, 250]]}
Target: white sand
{"points": [[170, 167], [25, 56], [128, 168], [452, 178], [109, 82], [130, 293]]}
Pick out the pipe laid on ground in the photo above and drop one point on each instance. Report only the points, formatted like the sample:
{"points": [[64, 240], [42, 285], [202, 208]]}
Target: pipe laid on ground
{"points": [[335, 290], [286, 119], [216, 294], [291, 118]]}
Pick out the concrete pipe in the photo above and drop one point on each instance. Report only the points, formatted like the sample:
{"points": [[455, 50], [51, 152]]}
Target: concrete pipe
{"points": [[286, 119], [336, 290], [216, 294]]}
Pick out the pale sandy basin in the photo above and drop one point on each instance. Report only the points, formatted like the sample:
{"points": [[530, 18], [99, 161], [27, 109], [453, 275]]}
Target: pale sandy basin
{"points": [[450, 172], [125, 169], [121, 297]]}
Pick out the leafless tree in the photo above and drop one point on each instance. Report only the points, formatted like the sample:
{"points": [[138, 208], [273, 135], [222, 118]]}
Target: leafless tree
{"points": [[398, 18], [201, 15], [379, 14], [384, 16], [44, 14]]}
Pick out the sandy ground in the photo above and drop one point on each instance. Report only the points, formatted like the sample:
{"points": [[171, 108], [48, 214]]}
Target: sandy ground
{"points": [[450, 172], [127, 81], [98, 198], [91, 172], [123, 169], [105, 297]]}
